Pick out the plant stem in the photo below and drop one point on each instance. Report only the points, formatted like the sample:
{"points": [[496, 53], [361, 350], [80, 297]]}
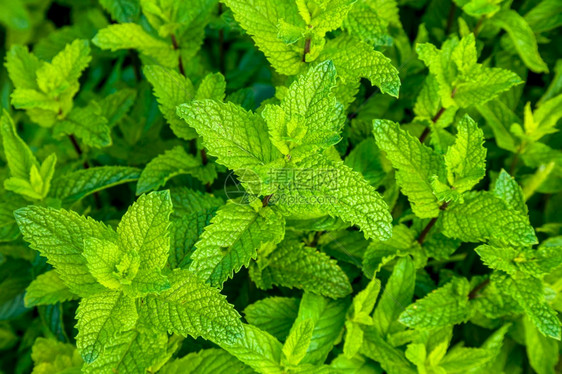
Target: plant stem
{"points": [[204, 157], [430, 225], [177, 47], [474, 292], [78, 149], [75, 144], [266, 199], [306, 49], [478, 27], [435, 118]]}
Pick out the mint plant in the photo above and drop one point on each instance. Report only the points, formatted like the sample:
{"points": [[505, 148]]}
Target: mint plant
{"points": [[258, 186]]}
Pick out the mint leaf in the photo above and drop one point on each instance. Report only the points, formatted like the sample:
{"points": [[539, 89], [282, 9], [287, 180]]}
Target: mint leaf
{"points": [[236, 137], [59, 235], [297, 342], [232, 239], [414, 163], [354, 60], [190, 307], [335, 189], [100, 317], [396, 296], [309, 116], [274, 315], [47, 289], [444, 306], [260, 19], [207, 361], [76, 185], [483, 216], [292, 264], [171, 89], [466, 159], [522, 37], [257, 349], [145, 229], [175, 161]]}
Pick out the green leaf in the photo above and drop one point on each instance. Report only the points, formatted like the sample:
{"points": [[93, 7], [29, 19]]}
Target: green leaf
{"points": [[542, 351], [326, 16], [212, 86], [507, 189], [391, 359], [132, 36], [131, 352], [175, 161], [260, 19], [52, 356], [414, 163], [171, 89], [191, 307], [65, 68], [466, 159], [292, 264], [59, 235], [397, 293], [328, 317], [498, 258], [28, 178], [88, 124], [480, 8], [309, 116], [461, 80], [378, 253], [369, 20], [47, 289], [207, 361], [100, 317], [353, 339], [354, 60], [298, 341], [122, 10], [185, 231], [274, 315], [529, 294], [115, 106], [358, 365], [187, 201], [145, 230], [22, 67], [483, 216], [108, 264], [76, 185], [236, 137], [444, 306], [233, 238], [543, 121], [364, 302], [257, 349], [19, 156], [522, 37], [318, 182], [500, 118], [461, 359]]}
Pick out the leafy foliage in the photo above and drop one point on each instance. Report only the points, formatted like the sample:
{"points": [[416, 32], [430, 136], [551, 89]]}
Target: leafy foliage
{"points": [[281, 186]]}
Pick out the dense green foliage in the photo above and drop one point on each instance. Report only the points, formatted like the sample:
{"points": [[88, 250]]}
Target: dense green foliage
{"points": [[281, 186]]}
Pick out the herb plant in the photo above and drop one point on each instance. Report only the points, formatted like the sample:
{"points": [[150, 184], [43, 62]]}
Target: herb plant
{"points": [[281, 186]]}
